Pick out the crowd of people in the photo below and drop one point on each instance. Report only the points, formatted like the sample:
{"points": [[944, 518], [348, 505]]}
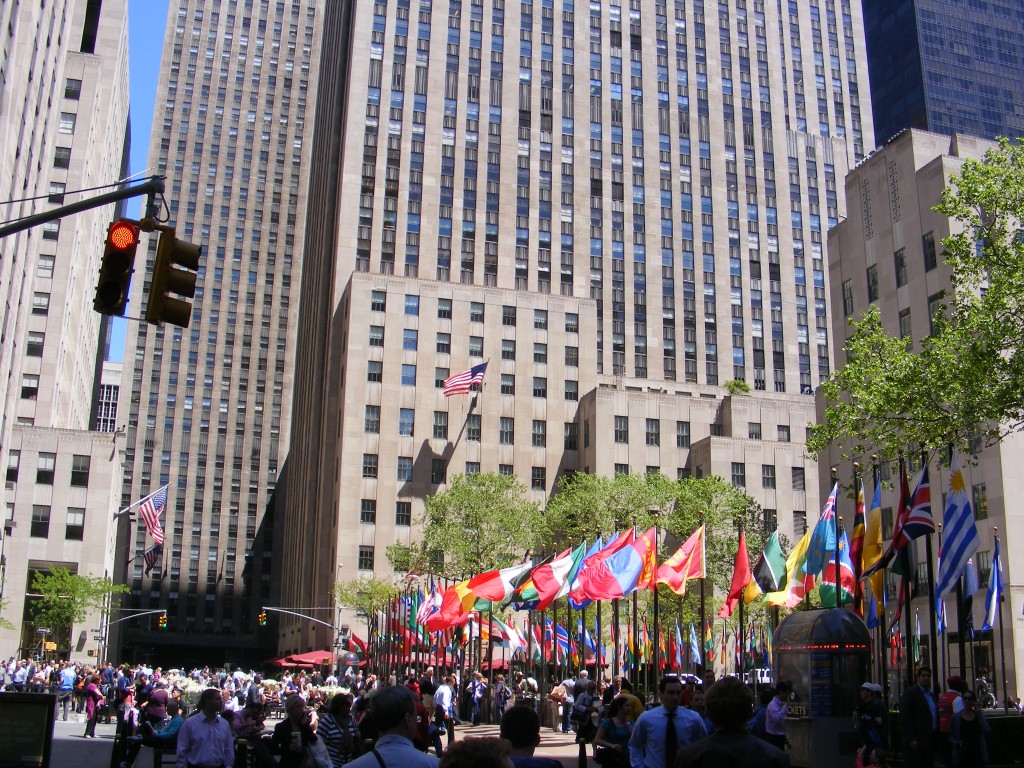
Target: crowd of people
{"points": [[207, 716]]}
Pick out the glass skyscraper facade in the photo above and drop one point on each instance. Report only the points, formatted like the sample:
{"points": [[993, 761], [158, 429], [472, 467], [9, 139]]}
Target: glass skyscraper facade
{"points": [[946, 66]]}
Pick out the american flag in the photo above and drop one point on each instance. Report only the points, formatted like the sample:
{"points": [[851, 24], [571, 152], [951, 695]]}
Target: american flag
{"points": [[461, 383], [152, 556], [149, 511]]}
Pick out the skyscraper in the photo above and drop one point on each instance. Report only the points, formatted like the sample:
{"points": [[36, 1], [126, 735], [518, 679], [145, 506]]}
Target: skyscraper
{"points": [[208, 406], [946, 66], [63, 134], [619, 206]]}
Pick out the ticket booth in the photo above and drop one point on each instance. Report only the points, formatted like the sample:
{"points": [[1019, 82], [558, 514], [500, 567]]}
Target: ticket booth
{"points": [[824, 655]]}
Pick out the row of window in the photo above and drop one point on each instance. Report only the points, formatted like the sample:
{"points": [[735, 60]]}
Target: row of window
{"points": [[443, 345], [438, 474], [652, 433], [507, 383], [739, 476], [40, 526], [509, 314], [45, 469], [899, 258]]}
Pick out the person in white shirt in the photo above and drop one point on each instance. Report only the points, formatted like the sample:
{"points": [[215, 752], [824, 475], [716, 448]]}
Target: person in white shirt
{"points": [[205, 740], [444, 708], [393, 711]]}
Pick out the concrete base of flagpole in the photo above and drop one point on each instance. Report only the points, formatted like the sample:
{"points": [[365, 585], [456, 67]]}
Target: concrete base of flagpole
{"points": [[583, 753]]}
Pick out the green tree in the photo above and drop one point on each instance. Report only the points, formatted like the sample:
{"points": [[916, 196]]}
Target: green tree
{"points": [[66, 598], [4, 623], [481, 521], [365, 596], [966, 380]]}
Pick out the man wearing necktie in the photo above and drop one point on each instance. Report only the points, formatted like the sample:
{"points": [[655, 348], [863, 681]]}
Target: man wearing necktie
{"points": [[660, 732]]}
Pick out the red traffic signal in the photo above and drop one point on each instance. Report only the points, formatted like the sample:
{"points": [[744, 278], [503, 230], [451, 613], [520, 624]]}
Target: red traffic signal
{"points": [[116, 268]]}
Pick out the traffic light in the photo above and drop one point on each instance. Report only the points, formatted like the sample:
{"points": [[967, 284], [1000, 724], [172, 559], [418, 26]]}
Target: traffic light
{"points": [[263, 618], [174, 272], [116, 268], [162, 621]]}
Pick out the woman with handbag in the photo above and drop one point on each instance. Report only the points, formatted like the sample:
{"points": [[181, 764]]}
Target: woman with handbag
{"points": [[613, 735], [93, 700]]}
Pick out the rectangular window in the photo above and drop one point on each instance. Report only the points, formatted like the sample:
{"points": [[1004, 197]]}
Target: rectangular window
{"points": [[799, 522], [472, 467], [444, 343], [438, 471], [767, 475], [506, 430], [66, 124], [368, 511], [540, 433], [40, 527], [798, 479], [444, 309], [905, 328], [376, 335], [72, 89], [476, 346], [887, 523], [538, 478], [75, 529], [408, 375], [29, 386], [440, 425], [62, 157], [847, 297], [13, 464], [928, 245], [56, 195], [410, 339], [621, 469], [35, 343], [476, 312], [739, 474], [621, 429], [403, 513], [571, 442], [508, 349], [572, 357], [374, 370], [984, 561], [45, 467], [771, 520], [653, 434], [371, 420], [406, 421], [506, 469], [979, 501], [899, 260], [412, 305], [40, 303], [540, 387], [440, 374], [540, 319], [473, 428], [80, 465], [872, 275], [508, 384], [365, 558], [403, 469], [572, 322], [370, 465], [783, 433], [934, 308], [378, 301], [540, 353], [754, 430], [682, 434], [508, 316]]}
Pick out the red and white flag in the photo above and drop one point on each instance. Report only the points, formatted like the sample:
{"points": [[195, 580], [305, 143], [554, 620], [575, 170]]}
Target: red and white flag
{"points": [[150, 509], [462, 383]]}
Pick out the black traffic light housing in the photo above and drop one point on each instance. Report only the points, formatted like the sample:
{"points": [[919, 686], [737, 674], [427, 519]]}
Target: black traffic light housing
{"points": [[116, 268], [162, 621], [174, 272], [263, 618]]}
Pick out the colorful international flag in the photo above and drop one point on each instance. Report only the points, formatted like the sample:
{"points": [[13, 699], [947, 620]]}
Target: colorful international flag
{"points": [[769, 572], [687, 563], [823, 539], [462, 383], [741, 576], [995, 590], [959, 532], [628, 570]]}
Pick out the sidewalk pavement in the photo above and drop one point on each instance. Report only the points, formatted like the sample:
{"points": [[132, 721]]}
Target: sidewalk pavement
{"points": [[560, 746]]}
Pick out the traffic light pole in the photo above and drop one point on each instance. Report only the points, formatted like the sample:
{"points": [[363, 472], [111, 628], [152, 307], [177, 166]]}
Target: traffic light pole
{"points": [[154, 186]]}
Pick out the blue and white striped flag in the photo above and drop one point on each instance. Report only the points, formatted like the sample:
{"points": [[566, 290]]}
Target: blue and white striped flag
{"points": [[959, 533], [995, 590]]}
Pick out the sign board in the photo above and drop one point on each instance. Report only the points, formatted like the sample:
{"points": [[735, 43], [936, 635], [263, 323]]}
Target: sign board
{"points": [[26, 729], [49, 647], [43, 631]]}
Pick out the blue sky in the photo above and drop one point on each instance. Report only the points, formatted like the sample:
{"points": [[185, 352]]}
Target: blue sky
{"points": [[146, 23]]}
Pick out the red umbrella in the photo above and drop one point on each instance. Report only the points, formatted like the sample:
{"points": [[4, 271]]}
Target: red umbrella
{"points": [[312, 657]]}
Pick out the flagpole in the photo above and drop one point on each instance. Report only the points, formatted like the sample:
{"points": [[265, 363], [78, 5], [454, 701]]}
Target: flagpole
{"points": [[945, 627], [999, 615], [490, 659], [618, 633], [742, 600], [657, 616], [599, 673], [933, 634], [141, 501], [880, 609], [703, 621], [858, 490], [835, 553], [905, 583]]}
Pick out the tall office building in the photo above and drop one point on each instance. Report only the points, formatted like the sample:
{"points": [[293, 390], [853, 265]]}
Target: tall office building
{"points": [[619, 206], [945, 66], [207, 406], [888, 252], [63, 129]]}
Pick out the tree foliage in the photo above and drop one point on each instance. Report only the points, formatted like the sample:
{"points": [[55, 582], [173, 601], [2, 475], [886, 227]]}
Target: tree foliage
{"points": [[66, 598], [966, 380], [480, 522], [365, 596]]}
